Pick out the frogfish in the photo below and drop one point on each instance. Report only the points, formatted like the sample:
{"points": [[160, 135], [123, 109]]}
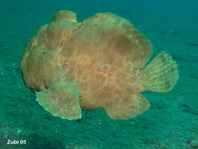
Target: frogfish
{"points": [[100, 62]]}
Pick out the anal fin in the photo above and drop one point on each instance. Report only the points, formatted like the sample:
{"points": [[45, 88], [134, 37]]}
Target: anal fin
{"points": [[127, 108]]}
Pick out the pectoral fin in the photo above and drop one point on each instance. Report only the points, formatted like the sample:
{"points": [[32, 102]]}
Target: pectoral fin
{"points": [[61, 100]]}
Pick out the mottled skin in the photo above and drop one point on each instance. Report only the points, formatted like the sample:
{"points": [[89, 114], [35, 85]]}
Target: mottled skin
{"points": [[98, 62]]}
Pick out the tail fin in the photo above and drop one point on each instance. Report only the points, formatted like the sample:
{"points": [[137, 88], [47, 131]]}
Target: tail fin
{"points": [[161, 74]]}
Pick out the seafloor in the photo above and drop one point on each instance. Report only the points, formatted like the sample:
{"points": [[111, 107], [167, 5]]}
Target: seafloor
{"points": [[171, 122]]}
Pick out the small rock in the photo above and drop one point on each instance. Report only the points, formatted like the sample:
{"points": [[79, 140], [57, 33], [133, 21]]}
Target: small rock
{"points": [[193, 142], [18, 131]]}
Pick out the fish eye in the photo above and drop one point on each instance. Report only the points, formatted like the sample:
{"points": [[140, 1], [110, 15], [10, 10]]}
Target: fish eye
{"points": [[34, 43]]}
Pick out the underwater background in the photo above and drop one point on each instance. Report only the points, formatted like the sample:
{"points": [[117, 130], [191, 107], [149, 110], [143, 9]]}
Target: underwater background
{"points": [[170, 123]]}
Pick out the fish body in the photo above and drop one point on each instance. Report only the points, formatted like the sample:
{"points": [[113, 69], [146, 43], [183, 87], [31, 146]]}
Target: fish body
{"points": [[100, 62]]}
